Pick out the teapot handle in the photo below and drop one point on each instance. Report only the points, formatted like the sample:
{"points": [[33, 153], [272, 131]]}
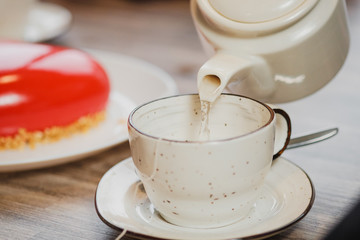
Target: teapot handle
{"points": [[251, 73]]}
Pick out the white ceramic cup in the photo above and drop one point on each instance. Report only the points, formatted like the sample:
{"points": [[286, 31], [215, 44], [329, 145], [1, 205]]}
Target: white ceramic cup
{"points": [[14, 17], [205, 184]]}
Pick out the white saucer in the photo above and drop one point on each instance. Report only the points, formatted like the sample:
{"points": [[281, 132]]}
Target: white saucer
{"points": [[46, 21], [121, 203], [133, 82]]}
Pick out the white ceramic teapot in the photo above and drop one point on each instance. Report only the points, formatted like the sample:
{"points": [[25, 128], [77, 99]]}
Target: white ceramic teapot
{"points": [[272, 50]]}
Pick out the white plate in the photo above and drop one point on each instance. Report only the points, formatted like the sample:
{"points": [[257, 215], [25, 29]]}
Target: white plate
{"points": [[121, 203], [133, 82], [46, 21]]}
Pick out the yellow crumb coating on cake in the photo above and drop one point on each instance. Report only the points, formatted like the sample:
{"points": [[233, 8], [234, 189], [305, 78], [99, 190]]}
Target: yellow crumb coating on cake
{"points": [[52, 134]]}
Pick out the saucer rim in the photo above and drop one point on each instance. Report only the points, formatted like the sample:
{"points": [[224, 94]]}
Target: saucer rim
{"points": [[267, 234]]}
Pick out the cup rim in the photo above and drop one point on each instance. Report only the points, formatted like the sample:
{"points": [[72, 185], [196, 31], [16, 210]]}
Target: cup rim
{"points": [[131, 124]]}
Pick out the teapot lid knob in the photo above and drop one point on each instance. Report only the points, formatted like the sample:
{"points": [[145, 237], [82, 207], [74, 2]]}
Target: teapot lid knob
{"points": [[255, 15]]}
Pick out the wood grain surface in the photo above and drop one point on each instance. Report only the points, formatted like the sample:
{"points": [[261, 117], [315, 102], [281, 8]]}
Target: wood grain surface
{"points": [[58, 202]]}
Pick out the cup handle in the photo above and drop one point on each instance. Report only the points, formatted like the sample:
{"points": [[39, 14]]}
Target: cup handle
{"points": [[282, 133]]}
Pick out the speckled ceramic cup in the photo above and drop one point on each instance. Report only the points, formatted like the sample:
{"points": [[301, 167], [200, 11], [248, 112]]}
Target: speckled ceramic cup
{"points": [[205, 184]]}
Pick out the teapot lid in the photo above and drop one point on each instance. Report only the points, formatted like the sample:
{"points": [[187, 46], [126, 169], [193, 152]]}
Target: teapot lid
{"points": [[254, 16]]}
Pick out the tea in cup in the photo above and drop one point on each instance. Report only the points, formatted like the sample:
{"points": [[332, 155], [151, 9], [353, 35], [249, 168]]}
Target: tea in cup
{"points": [[208, 183]]}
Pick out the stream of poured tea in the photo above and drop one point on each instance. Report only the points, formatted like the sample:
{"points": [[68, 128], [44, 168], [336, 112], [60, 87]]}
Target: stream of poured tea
{"points": [[209, 89], [204, 134]]}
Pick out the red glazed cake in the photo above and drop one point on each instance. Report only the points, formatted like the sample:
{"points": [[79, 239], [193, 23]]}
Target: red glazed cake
{"points": [[47, 93]]}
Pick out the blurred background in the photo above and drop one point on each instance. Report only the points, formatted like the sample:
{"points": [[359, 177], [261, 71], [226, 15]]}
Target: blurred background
{"points": [[162, 32], [158, 31]]}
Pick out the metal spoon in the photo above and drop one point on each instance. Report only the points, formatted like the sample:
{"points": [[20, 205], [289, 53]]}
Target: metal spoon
{"points": [[312, 138]]}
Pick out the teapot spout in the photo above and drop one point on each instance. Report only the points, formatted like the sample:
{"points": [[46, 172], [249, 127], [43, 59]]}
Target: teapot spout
{"points": [[222, 68], [210, 86]]}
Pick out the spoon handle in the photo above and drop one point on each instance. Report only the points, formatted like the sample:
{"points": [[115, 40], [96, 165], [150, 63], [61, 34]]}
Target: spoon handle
{"points": [[312, 138]]}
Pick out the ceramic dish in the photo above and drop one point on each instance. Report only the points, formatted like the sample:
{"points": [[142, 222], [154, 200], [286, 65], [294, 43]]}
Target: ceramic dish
{"points": [[126, 75], [58, 21], [121, 203]]}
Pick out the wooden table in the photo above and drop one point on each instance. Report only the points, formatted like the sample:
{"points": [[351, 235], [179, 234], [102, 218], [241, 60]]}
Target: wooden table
{"points": [[58, 202]]}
